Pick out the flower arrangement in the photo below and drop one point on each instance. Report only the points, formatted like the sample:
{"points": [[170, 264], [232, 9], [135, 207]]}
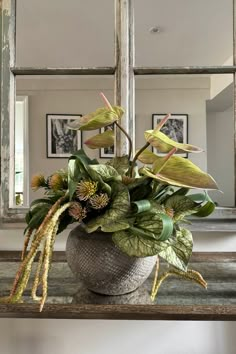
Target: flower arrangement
{"points": [[144, 207]]}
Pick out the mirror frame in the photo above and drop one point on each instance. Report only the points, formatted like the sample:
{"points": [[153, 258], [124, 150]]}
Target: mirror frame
{"points": [[223, 219]]}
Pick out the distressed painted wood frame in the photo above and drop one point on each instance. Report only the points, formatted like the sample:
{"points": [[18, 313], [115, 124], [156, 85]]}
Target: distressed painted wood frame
{"points": [[124, 70]]}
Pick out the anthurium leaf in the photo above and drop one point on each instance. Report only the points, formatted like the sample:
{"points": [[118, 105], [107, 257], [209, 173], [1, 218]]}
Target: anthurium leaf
{"points": [[114, 218], [102, 140], [177, 251], [121, 164], [98, 119], [180, 172], [181, 206], [164, 144], [107, 173], [147, 157]]}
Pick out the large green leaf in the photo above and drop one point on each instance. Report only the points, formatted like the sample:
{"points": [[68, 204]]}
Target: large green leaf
{"points": [[177, 251], [98, 119], [181, 205], [102, 140], [121, 164], [107, 173], [164, 144], [180, 172], [161, 225], [114, 218], [136, 243]]}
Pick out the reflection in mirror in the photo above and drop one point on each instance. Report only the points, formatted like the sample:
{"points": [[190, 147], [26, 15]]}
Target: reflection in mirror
{"points": [[20, 196], [72, 33], [183, 33], [202, 109], [53, 101]]}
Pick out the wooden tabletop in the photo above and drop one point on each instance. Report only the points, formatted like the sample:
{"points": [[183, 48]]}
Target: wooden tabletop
{"points": [[177, 300]]}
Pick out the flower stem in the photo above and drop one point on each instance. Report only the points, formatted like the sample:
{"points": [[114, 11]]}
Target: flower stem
{"points": [[128, 137], [136, 157]]}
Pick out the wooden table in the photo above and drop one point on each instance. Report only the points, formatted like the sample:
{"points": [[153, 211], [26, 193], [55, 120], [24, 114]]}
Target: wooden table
{"points": [[177, 300]]}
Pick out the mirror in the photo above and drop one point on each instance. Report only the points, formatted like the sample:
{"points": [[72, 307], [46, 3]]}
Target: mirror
{"points": [[202, 114], [69, 35], [53, 101]]}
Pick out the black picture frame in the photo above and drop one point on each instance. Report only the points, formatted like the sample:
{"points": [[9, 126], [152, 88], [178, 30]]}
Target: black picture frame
{"points": [[175, 128], [107, 153], [62, 141]]}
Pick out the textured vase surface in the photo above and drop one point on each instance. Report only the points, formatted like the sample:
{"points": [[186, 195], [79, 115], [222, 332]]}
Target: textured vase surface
{"points": [[101, 266]]}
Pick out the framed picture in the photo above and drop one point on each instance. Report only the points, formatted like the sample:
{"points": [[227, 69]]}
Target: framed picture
{"points": [[110, 151], [62, 141], [175, 128]]}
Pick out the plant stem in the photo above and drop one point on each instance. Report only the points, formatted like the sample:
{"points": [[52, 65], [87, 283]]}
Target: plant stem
{"points": [[128, 137], [136, 157]]}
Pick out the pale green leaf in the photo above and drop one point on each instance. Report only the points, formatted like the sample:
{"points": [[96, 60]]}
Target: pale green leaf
{"points": [[147, 157], [98, 119], [102, 140], [180, 172], [164, 144]]}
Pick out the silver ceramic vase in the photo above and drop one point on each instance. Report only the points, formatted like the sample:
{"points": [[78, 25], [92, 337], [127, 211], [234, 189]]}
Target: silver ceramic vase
{"points": [[102, 266]]}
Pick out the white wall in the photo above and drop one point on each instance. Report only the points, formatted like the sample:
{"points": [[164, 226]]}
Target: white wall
{"points": [[220, 154]]}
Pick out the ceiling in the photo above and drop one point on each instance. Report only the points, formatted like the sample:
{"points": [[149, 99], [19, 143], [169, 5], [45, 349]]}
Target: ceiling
{"points": [[77, 33]]}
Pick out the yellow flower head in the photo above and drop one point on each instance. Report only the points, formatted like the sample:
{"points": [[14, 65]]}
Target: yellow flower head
{"points": [[56, 182], [77, 211], [38, 181], [99, 201], [85, 189]]}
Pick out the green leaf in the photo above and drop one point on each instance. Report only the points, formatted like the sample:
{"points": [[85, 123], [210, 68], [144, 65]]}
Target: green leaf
{"points": [[164, 144], [207, 207], [78, 165], [147, 157], [114, 218], [140, 206], [98, 119], [180, 172], [36, 217], [145, 238], [121, 164], [177, 251], [160, 224], [135, 244], [107, 173], [102, 140], [181, 205]]}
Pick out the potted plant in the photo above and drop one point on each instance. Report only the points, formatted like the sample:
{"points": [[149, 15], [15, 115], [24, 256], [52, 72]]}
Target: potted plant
{"points": [[128, 215]]}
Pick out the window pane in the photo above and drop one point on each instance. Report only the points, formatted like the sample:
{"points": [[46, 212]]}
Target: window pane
{"points": [[70, 33], [53, 102], [188, 32], [202, 115]]}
